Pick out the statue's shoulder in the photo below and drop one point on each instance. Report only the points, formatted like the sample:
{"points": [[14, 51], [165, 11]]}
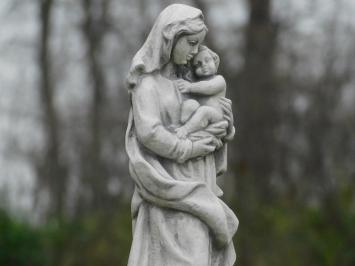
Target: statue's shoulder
{"points": [[148, 83]]}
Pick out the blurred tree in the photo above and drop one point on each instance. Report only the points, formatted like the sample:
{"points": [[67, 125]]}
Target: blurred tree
{"points": [[51, 168], [256, 101], [93, 175]]}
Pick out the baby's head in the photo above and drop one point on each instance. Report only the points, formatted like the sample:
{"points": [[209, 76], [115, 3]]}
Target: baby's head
{"points": [[206, 62]]}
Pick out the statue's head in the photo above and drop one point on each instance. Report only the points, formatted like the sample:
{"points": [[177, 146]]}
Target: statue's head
{"points": [[175, 37], [186, 47], [206, 62]]}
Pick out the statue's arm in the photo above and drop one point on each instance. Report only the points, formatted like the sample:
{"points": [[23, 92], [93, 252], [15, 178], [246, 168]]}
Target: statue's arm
{"points": [[150, 130], [226, 105], [213, 86]]}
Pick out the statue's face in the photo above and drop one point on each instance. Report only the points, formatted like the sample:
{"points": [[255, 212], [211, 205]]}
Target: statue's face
{"points": [[186, 47], [204, 64]]}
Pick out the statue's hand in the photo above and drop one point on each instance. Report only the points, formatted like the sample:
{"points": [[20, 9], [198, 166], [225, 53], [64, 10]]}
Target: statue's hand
{"points": [[226, 105], [183, 85], [218, 142], [219, 129], [202, 147]]}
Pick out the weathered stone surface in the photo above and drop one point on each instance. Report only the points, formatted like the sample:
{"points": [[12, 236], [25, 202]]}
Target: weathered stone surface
{"points": [[178, 128]]}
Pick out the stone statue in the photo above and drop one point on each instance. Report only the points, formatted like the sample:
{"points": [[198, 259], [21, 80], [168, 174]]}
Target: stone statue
{"points": [[176, 140], [194, 117]]}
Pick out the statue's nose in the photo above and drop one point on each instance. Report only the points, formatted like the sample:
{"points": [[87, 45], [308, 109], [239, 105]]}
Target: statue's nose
{"points": [[195, 50]]}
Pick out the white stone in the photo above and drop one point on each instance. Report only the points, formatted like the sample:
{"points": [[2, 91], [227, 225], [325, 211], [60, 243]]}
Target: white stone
{"points": [[178, 127]]}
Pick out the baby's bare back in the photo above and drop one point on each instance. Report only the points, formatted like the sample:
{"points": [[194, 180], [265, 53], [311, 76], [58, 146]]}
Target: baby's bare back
{"points": [[216, 88], [204, 108]]}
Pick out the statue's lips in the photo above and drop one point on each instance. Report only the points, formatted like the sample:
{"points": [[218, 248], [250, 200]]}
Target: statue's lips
{"points": [[205, 71]]}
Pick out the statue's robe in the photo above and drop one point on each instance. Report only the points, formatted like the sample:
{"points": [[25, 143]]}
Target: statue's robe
{"points": [[178, 218]]}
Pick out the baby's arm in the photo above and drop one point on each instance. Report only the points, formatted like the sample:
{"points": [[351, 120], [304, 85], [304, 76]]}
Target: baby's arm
{"points": [[213, 86]]}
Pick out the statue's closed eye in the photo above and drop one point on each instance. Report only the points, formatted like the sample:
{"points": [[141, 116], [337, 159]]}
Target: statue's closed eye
{"points": [[198, 64]]}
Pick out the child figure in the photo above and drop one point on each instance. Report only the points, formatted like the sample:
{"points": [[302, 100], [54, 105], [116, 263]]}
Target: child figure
{"points": [[196, 115]]}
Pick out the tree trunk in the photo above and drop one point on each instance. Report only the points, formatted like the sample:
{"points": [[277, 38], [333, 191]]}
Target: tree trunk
{"points": [[255, 98], [93, 169], [51, 170]]}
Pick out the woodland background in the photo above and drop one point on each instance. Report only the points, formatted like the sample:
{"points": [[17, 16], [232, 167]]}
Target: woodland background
{"points": [[64, 184]]}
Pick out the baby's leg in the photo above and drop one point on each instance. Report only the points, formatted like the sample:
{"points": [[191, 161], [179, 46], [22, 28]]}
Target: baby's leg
{"points": [[203, 116], [188, 107]]}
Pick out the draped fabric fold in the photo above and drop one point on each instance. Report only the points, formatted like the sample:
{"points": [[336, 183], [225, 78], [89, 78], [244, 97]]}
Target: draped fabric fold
{"points": [[156, 186], [178, 219]]}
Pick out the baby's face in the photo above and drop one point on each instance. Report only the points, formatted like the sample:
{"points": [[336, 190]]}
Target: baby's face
{"points": [[204, 64]]}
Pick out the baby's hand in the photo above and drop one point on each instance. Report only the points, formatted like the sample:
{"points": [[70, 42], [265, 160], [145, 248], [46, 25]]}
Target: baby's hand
{"points": [[183, 85], [181, 132]]}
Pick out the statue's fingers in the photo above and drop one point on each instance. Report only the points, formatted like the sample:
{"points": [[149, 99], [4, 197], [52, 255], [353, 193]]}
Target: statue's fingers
{"points": [[214, 131], [225, 101], [222, 134], [227, 117], [210, 148], [221, 124], [207, 140], [218, 132], [226, 109], [218, 125]]}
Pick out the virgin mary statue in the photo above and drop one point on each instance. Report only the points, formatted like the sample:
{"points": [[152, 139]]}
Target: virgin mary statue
{"points": [[178, 217]]}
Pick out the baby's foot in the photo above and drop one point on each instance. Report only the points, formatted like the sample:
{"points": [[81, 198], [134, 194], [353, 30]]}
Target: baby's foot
{"points": [[181, 132]]}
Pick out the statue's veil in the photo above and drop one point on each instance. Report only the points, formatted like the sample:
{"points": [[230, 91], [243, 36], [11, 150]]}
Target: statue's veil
{"points": [[173, 21]]}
